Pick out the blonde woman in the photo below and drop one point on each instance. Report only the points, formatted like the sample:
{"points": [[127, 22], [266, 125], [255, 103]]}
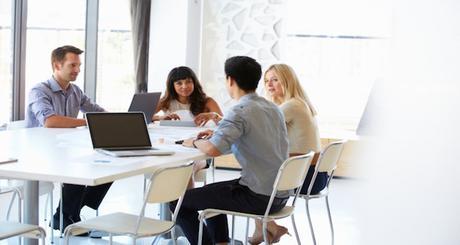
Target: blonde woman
{"points": [[283, 88]]}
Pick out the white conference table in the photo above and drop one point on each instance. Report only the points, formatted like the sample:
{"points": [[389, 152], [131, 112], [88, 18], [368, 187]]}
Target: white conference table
{"points": [[67, 156]]}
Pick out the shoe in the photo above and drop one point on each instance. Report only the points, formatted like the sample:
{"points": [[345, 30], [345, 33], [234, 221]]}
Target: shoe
{"points": [[66, 221], [84, 234], [98, 234]]}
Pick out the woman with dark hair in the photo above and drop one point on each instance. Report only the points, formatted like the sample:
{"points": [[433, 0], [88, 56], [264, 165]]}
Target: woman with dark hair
{"points": [[184, 92]]}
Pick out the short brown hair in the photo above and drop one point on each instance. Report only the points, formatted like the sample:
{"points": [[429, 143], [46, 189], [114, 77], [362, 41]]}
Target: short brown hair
{"points": [[58, 55]]}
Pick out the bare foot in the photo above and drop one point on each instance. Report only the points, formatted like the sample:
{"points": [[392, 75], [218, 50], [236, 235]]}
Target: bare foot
{"points": [[258, 239], [274, 233], [277, 232]]}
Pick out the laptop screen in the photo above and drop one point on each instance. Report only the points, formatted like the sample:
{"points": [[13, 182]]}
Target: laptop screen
{"points": [[145, 102], [118, 130]]}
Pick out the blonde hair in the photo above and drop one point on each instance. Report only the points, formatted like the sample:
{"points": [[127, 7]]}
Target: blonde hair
{"points": [[290, 85]]}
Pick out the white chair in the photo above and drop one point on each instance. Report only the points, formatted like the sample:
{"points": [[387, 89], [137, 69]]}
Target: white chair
{"points": [[15, 191], [161, 190], [327, 163], [199, 176], [45, 188], [12, 229], [16, 125], [202, 174], [291, 175]]}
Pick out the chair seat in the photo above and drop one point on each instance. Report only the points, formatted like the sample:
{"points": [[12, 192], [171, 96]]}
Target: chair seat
{"points": [[320, 194], [123, 223], [283, 213], [10, 229]]}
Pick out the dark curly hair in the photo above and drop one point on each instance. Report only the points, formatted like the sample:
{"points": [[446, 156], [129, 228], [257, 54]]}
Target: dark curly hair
{"points": [[197, 99]]}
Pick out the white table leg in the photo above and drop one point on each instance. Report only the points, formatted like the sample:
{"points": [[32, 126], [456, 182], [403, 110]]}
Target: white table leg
{"points": [[31, 207]]}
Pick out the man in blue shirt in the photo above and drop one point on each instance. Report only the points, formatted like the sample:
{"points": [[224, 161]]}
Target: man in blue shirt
{"points": [[255, 132], [56, 103]]}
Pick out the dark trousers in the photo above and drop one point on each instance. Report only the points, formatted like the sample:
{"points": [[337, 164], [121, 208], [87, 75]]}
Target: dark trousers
{"points": [[74, 197], [320, 181], [227, 195]]}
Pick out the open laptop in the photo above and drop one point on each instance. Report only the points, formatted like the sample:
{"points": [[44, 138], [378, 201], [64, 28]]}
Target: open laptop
{"points": [[145, 102], [121, 134]]}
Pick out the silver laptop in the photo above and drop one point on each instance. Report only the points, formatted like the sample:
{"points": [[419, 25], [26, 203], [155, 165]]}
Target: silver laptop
{"points": [[121, 134], [147, 103]]}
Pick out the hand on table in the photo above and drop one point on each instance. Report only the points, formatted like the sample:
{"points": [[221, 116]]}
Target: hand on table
{"points": [[201, 135], [171, 116], [202, 118]]}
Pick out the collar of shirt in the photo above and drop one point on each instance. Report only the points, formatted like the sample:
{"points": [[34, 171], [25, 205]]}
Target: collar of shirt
{"points": [[247, 97], [55, 87]]}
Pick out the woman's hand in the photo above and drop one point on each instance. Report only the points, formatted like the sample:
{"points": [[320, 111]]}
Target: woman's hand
{"points": [[171, 116], [202, 118]]}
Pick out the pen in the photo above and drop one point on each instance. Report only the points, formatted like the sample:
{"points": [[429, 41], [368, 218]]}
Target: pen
{"points": [[8, 160]]}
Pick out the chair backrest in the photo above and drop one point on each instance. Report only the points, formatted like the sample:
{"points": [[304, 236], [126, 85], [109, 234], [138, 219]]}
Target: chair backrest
{"points": [[292, 172], [330, 156], [291, 175], [13, 125], [168, 184]]}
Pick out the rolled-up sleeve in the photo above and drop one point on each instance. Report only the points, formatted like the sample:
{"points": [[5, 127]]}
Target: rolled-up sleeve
{"points": [[229, 130], [40, 105]]}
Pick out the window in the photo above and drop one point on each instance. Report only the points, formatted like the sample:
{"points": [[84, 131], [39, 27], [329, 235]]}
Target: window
{"points": [[61, 22], [340, 50], [115, 68], [6, 81]]}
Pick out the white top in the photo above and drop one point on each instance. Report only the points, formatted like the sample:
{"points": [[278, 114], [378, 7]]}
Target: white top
{"points": [[182, 110], [175, 105], [301, 126]]}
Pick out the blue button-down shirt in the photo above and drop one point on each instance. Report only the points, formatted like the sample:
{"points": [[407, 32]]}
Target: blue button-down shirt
{"points": [[255, 132], [48, 98]]}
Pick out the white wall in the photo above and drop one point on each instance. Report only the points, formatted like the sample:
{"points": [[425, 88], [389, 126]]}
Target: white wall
{"points": [[411, 192], [175, 28], [193, 45], [230, 28]]}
